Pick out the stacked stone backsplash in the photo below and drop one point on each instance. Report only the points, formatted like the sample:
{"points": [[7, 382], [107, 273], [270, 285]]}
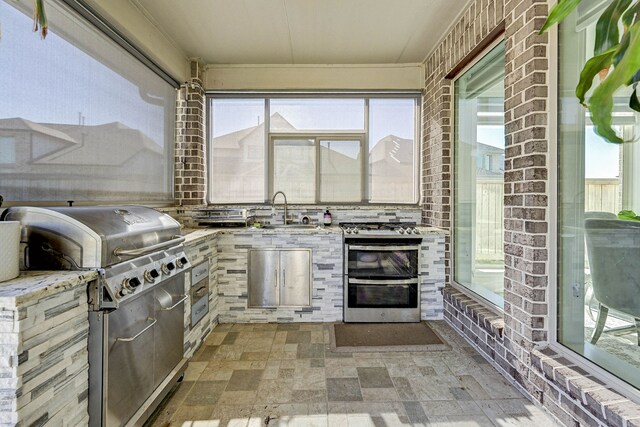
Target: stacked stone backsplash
{"points": [[264, 215], [327, 287]]}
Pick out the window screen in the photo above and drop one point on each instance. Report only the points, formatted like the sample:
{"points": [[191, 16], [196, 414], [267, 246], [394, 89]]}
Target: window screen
{"points": [[80, 118]]}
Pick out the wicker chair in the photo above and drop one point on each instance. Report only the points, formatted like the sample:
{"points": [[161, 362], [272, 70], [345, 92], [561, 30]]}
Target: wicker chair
{"points": [[613, 248]]}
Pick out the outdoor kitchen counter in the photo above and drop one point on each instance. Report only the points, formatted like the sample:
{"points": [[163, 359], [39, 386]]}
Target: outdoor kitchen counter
{"points": [[192, 234], [231, 252], [43, 335], [35, 285]]}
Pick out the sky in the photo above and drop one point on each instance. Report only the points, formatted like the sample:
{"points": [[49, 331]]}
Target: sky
{"points": [[56, 89]]}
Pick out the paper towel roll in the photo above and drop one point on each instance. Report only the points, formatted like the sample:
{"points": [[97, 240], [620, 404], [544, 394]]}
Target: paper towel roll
{"points": [[9, 250]]}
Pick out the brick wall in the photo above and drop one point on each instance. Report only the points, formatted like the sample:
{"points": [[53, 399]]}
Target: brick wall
{"points": [[190, 185], [516, 341]]}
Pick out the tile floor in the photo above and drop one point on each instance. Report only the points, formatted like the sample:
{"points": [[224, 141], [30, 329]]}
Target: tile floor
{"points": [[286, 375]]}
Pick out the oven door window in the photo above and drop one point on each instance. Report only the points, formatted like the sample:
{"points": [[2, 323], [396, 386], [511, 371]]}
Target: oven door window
{"points": [[382, 262], [382, 294]]}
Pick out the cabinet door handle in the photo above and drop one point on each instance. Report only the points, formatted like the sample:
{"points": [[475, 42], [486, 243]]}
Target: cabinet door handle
{"points": [[183, 299], [129, 339], [284, 277], [275, 278]]}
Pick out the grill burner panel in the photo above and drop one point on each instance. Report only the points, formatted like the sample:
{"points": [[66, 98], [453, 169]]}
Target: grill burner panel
{"points": [[382, 229]]}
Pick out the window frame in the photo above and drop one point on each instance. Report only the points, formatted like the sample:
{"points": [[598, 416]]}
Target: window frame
{"points": [[317, 137], [459, 73], [347, 134], [610, 379]]}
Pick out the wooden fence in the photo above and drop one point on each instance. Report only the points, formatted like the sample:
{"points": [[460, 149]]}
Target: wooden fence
{"points": [[489, 219], [603, 195]]}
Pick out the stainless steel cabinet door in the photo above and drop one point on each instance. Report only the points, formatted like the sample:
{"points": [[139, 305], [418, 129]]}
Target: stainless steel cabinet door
{"points": [[169, 330], [263, 278], [295, 277], [130, 361]]}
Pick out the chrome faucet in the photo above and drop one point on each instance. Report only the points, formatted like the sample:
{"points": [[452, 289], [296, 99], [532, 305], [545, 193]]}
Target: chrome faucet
{"points": [[273, 199]]}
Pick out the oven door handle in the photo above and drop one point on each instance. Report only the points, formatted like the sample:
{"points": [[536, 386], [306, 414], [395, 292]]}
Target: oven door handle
{"points": [[383, 248], [141, 251], [383, 282], [129, 339], [183, 299]]}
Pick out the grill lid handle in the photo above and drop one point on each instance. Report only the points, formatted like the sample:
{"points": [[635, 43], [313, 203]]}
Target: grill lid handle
{"points": [[141, 251]]}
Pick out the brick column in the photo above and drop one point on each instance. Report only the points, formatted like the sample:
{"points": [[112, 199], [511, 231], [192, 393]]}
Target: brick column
{"points": [[477, 23], [190, 184]]}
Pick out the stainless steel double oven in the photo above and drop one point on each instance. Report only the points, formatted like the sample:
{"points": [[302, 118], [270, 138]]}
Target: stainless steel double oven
{"points": [[382, 277]]}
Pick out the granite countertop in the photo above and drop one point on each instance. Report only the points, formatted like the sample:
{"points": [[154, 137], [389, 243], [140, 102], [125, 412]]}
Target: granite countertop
{"points": [[193, 235], [39, 284]]}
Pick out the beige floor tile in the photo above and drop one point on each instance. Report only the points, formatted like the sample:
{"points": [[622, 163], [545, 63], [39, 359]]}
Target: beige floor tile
{"points": [[341, 371], [216, 374], [309, 396], [187, 413], [338, 420], [274, 392], [379, 394], [453, 388], [238, 398], [194, 370]]}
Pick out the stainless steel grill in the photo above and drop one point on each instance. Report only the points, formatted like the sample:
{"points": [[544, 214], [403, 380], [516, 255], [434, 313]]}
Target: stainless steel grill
{"points": [[136, 333]]}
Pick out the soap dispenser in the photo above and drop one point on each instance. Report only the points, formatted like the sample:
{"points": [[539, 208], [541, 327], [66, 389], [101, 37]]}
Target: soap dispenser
{"points": [[327, 217]]}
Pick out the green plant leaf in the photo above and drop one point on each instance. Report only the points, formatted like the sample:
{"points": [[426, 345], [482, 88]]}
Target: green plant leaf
{"points": [[628, 215], [631, 16], [634, 103], [590, 70], [40, 18], [607, 34], [558, 13], [601, 103], [622, 48]]}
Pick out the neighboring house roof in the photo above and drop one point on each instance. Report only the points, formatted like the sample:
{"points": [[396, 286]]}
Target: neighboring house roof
{"points": [[488, 149], [251, 136], [392, 148], [20, 124], [110, 144]]}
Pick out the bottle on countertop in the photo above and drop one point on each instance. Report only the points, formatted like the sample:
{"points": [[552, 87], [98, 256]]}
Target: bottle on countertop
{"points": [[327, 217]]}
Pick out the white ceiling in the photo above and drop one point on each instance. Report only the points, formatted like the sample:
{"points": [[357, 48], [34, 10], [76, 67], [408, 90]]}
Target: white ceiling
{"points": [[303, 31]]}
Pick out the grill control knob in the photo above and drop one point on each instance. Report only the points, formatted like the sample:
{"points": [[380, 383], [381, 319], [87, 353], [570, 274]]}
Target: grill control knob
{"points": [[134, 282], [154, 273], [171, 266], [165, 269], [347, 230], [184, 260], [149, 277], [416, 231], [400, 230], [355, 230], [125, 286]]}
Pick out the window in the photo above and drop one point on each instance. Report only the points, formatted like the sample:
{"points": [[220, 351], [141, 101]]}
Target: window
{"points": [[479, 177], [314, 149], [598, 253], [7, 150], [80, 118]]}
